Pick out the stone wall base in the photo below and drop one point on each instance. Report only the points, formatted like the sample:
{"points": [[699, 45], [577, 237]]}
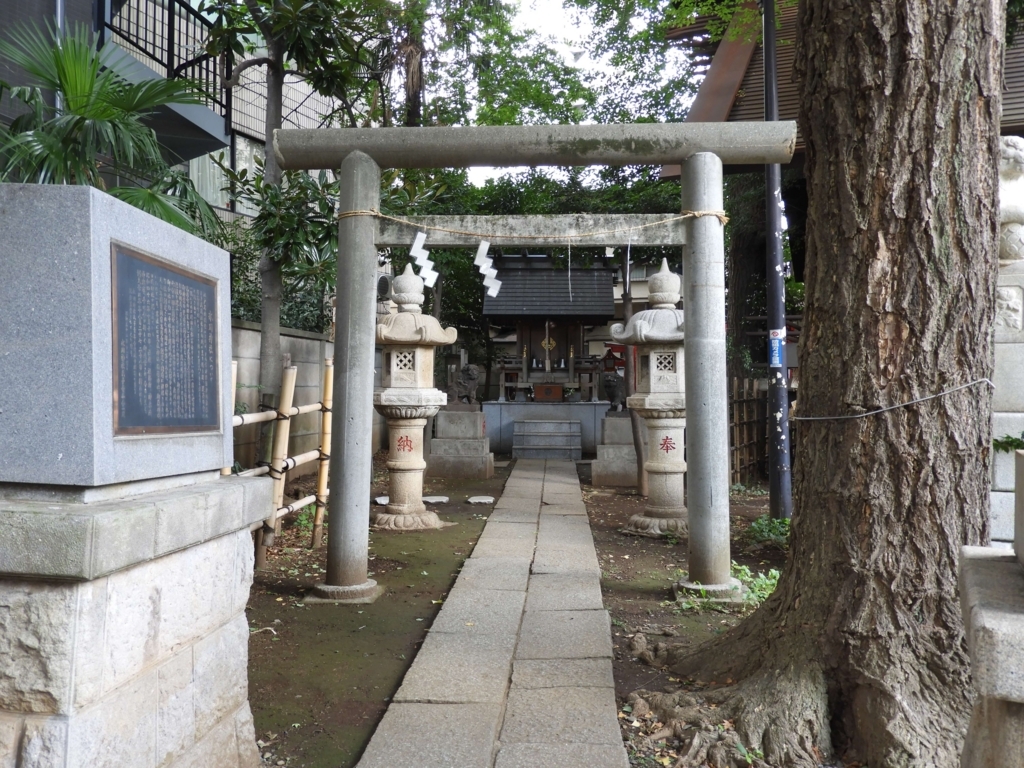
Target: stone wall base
{"points": [[992, 600], [145, 666], [460, 467]]}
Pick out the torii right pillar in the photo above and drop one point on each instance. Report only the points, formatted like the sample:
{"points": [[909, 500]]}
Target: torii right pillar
{"points": [[707, 404]]}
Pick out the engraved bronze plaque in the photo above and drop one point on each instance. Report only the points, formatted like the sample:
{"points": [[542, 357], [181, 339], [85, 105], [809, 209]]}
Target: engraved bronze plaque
{"points": [[166, 378]]}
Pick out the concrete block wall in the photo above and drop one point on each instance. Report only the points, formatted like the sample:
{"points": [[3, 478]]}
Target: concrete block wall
{"points": [[144, 667], [1008, 397], [308, 352]]}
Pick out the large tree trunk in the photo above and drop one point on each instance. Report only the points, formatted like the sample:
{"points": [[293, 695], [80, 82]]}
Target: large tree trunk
{"points": [[860, 652], [271, 282]]}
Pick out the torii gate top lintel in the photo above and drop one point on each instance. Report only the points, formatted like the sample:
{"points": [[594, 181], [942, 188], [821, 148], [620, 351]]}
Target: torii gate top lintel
{"points": [[513, 145]]}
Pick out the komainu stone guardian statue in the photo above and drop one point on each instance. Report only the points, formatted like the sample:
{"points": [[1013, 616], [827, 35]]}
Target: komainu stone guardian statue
{"points": [[1011, 200], [614, 390], [407, 400], [467, 383], [661, 401]]}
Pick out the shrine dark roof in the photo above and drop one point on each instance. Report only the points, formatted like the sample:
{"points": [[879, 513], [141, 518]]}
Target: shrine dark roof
{"points": [[540, 290]]}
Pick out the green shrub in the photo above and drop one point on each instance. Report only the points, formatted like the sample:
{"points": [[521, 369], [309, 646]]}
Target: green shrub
{"points": [[768, 530]]}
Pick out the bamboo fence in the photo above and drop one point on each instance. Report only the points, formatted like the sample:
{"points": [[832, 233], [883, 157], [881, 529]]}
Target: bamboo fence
{"points": [[281, 463]]}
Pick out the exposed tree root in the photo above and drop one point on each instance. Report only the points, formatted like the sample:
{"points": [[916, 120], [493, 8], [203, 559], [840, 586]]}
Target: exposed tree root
{"points": [[776, 718]]}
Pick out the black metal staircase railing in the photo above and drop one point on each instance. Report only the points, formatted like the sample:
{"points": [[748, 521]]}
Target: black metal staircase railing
{"points": [[169, 36]]}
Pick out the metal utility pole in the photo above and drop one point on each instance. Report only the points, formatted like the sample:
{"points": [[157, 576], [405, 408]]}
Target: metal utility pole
{"points": [[780, 480]]}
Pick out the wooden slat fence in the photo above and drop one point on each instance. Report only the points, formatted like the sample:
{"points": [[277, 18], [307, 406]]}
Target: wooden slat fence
{"points": [[748, 432]]}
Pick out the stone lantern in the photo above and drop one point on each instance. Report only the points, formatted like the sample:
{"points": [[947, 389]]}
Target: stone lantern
{"points": [[661, 401], [407, 400]]}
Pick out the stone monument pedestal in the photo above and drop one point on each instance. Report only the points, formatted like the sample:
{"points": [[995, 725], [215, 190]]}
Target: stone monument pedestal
{"points": [[615, 464], [992, 601], [125, 637], [125, 557], [1008, 397], [460, 448]]}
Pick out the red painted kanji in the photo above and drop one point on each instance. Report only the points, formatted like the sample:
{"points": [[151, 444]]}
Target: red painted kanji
{"points": [[667, 444], [405, 443]]}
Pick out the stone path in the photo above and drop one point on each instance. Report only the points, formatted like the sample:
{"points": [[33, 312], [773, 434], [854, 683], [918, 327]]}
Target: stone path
{"points": [[516, 671]]}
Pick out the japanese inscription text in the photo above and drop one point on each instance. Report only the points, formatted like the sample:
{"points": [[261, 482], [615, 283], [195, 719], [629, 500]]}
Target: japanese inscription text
{"points": [[165, 347]]}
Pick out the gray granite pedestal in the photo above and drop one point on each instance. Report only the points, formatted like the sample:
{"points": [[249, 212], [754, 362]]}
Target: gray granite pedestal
{"points": [[125, 638]]}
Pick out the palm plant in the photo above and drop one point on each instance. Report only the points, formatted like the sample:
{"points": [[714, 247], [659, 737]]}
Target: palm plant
{"points": [[96, 128]]}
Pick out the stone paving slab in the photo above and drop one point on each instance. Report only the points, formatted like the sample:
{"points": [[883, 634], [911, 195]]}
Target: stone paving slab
{"points": [[504, 531], [560, 498], [555, 528], [434, 736], [561, 716], [562, 673], [521, 648], [565, 635], [522, 505], [503, 548], [512, 573], [532, 491], [513, 516], [459, 669], [564, 592], [551, 510], [561, 756], [550, 560], [480, 611]]}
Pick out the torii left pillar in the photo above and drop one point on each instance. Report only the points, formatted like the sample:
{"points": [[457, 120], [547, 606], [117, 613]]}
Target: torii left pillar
{"points": [[348, 516]]}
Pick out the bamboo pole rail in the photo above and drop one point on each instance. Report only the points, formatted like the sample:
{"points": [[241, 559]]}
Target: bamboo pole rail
{"points": [[234, 383], [279, 458], [240, 420], [255, 471], [326, 425], [295, 506], [265, 535], [281, 463], [282, 413]]}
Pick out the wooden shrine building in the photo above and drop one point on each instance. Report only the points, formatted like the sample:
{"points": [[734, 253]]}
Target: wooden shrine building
{"points": [[551, 307]]}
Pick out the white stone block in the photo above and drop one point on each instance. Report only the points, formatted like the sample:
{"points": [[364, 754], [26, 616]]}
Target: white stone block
{"points": [[90, 629], [44, 743], [118, 731], [1001, 521], [221, 674], [176, 722], [1008, 376], [1009, 319], [35, 647], [1018, 511], [456, 424], [1003, 425]]}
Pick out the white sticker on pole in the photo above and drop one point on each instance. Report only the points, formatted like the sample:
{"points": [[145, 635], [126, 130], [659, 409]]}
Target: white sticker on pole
{"points": [[776, 341]]}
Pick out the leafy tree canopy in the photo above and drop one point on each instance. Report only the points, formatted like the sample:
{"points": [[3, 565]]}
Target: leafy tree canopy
{"points": [[96, 129]]}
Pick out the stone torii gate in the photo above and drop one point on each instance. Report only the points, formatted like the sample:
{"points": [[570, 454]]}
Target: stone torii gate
{"points": [[700, 148]]}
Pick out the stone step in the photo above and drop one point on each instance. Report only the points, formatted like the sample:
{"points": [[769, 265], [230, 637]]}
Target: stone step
{"points": [[547, 452], [531, 427], [547, 439]]}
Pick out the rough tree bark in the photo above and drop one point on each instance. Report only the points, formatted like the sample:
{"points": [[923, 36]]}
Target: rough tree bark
{"points": [[860, 652]]}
